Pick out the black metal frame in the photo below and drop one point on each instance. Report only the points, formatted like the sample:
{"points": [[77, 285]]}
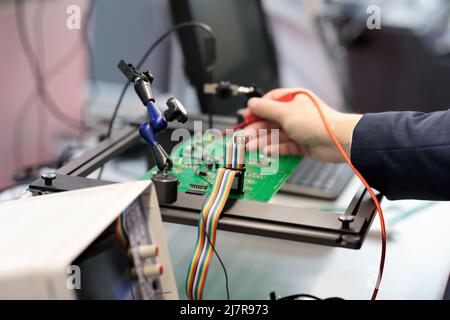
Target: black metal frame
{"points": [[249, 217]]}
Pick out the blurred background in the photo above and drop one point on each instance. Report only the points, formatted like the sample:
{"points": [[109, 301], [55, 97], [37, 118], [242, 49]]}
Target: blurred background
{"points": [[59, 81]]}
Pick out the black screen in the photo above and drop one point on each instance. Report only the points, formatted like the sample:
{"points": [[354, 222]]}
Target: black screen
{"points": [[245, 53]]}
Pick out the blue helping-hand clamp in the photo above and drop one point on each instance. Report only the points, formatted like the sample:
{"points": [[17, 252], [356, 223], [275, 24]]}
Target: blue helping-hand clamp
{"points": [[157, 121]]}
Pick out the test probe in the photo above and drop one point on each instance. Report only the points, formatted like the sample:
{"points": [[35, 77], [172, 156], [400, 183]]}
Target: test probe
{"points": [[226, 89]]}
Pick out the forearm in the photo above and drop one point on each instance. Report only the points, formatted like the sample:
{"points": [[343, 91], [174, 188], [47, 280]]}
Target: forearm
{"points": [[405, 155]]}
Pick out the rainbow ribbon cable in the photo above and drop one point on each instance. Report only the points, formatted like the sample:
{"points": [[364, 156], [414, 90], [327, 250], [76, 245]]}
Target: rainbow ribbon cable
{"points": [[235, 152], [208, 221], [234, 159], [121, 231]]}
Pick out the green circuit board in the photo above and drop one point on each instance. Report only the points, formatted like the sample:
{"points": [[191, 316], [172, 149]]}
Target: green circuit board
{"points": [[195, 163]]}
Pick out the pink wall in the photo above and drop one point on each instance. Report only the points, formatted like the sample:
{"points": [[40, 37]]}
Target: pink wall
{"points": [[40, 131]]}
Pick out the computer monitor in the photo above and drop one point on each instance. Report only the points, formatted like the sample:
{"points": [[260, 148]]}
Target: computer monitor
{"points": [[245, 51]]}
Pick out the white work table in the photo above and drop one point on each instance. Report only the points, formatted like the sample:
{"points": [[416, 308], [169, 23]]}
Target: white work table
{"points": [[417, 260]]}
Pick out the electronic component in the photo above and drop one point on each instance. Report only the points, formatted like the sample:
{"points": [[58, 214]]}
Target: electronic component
{"points": [[153, 271], [197, 189], [197, 186], [198, 159], [202, 172], [147, 251], [209, 162], [261, 182], [237, 186], [83, 258], [144, 252], [264, 161]]}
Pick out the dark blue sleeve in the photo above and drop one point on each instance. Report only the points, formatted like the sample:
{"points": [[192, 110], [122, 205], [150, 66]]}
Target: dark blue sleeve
{"points": [[404, 155]]}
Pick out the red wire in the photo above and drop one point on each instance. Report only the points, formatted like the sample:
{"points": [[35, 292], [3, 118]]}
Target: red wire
{"points": [[290, 96]]}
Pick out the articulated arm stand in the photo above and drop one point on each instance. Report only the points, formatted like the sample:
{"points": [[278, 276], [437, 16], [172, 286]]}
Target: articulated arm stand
{"points": [[148, 131], [166, 184]]}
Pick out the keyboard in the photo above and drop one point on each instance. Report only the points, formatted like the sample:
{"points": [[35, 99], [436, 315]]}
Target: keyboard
{"points": [[318, 179]]}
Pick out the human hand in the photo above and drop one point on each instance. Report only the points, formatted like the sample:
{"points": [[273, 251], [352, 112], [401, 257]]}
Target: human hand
{"points": [[301, 130]]}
